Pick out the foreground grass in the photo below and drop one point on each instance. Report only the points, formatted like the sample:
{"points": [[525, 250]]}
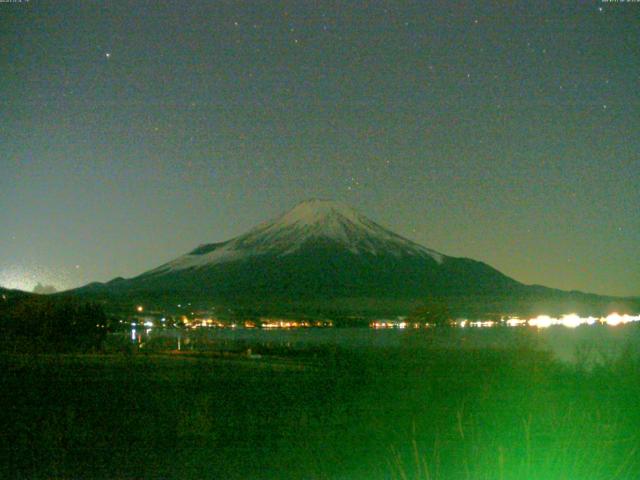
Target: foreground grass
{"points": [[412, 412]]}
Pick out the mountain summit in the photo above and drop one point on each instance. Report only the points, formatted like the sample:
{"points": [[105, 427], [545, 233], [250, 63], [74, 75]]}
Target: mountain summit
{"points": [[319, 255], [324, 258], [309, 224]]}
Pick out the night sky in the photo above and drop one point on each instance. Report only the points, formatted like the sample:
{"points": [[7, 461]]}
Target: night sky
{"points": [[508, 132]]}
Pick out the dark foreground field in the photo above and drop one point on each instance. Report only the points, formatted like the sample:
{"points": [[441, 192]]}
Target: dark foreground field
{"points": [[411, 412]]}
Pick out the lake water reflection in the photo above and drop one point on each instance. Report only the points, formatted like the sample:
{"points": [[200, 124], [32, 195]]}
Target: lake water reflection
{"points": [[584, 344]]}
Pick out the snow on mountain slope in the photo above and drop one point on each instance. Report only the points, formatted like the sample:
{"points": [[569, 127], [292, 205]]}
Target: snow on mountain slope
{"points": [[307, 223]]}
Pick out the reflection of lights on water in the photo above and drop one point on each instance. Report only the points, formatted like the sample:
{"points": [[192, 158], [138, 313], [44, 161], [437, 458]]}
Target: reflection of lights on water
{"points": [[482, 324], [477, 324], [386, 324], [542, 321], [572, 320], [515, 322], [279, 324], [615, 319]]}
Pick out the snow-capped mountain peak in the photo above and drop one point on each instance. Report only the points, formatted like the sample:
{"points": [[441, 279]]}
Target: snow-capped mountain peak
{"points": [[308, 224], [317, 218], [316, 211]]}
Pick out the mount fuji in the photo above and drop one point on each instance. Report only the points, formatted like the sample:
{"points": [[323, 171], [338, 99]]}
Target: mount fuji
{"points": [[322, 254], [311, 224]]}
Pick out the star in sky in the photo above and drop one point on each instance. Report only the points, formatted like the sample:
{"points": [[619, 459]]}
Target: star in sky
{"points": [[482, 113]]}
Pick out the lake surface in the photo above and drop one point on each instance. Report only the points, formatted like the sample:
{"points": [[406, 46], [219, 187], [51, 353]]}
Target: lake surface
{"points": [[585, 344]]}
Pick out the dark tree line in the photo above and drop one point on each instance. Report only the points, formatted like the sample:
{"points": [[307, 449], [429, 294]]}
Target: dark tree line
{"points": [[45, 324]]}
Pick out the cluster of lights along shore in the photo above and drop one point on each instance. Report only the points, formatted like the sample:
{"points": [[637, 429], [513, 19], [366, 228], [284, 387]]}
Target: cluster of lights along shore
{"points": [[570, 320]]}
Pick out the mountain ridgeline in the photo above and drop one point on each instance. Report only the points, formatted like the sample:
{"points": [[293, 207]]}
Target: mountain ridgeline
{"points": [[323, 256]]}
